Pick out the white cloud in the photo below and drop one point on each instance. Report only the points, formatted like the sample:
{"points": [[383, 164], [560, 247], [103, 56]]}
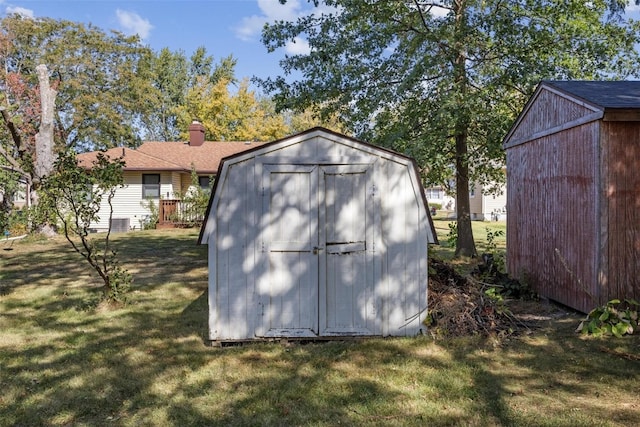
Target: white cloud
{"points": [[298, 46], [632, 7], [439, 11], [251, 26], [132, 23], [27, 13], [273, 10]]}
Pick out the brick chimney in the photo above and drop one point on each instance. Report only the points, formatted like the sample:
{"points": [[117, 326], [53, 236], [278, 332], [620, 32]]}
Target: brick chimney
{"points": [[196, 134]]}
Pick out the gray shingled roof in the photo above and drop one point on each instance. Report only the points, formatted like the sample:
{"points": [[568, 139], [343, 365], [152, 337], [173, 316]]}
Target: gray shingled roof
{"points": [[606, 94]]}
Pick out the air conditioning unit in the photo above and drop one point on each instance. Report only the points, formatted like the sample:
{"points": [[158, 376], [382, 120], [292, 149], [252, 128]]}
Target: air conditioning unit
{"points": [[119, 225]]}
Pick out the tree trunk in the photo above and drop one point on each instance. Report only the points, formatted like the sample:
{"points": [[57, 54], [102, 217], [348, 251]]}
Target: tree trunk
{"points": [[44, 137], [465, 245], [45, 156]]}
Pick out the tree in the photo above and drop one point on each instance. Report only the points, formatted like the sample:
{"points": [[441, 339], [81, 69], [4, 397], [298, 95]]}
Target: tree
{"points": [[227, 116], [102, 79], [443, 80], [172, 76], [75, 196], [169, 78], [93, 95], [301, 121]]}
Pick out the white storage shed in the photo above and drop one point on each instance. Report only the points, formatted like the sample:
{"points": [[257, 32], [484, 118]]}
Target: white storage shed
{"points": [[317, 235]]}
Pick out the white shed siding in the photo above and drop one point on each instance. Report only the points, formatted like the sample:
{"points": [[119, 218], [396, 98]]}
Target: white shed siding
{"points": [[405, 238], [247, 280], [232, 267]]}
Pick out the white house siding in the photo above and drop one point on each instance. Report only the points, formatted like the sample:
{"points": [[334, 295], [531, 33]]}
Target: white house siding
{"points": [[495, 207], [439, 195], [128, 202], [175, 179], [483, 206]]}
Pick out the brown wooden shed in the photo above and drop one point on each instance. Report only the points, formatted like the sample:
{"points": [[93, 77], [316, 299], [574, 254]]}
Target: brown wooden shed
{"points": [[573, 173]]}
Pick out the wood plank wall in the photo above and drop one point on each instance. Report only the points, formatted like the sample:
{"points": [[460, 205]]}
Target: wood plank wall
{"points": [[552, 230], [548, 111], [620, 208]]}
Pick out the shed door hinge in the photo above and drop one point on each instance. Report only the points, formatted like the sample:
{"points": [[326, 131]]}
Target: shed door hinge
{"points": [[374, 190]]}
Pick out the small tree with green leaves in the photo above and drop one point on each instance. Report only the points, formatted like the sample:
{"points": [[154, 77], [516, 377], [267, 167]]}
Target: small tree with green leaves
{"points": [[74, 196], [194, 201]]}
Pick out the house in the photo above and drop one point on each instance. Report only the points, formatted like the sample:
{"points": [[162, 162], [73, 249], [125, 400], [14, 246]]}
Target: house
{"points": [[484, 204], [159, 173], [438, 195], [19, 199], [573, 157], [317, 235]]}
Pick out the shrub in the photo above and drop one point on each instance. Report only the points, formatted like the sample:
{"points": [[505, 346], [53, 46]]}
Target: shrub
{"points": [[614, 318]]}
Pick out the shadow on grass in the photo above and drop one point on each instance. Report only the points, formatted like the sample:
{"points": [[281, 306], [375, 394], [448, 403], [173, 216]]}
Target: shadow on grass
{"points": [[559, 380], [147, 364]]}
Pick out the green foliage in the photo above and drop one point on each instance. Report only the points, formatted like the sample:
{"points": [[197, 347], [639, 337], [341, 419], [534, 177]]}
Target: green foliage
{"points": [[227, 116], [101, 79], [497, 297], [15, 222], [18, 222], [444, 81], [452, 236], [154, 215], [74, 196], [193, 203], [492, 270], [438, 206], [498, 258], [120, 281], [492, 235], [172, 76], [616, 319]]}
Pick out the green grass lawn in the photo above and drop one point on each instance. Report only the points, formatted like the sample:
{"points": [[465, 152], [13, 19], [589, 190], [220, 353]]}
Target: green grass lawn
{"points": [[66, 361]]}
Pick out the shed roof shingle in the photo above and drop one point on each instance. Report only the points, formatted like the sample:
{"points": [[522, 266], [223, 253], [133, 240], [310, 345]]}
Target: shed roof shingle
{"points": [[606, 94]]}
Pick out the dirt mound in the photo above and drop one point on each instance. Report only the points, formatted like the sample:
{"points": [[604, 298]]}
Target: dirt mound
{"points": [[465, 305]]}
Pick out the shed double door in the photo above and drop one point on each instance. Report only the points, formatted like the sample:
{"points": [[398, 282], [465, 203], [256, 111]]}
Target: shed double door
{"points": [[318, 248]]}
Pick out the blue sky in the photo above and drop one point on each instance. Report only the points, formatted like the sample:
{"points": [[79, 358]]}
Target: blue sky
{"points": [[224, 27]]}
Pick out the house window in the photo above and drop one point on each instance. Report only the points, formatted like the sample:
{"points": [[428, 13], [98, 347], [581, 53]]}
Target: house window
{"points": [[150, 186], [435, 193], [204, 182]]}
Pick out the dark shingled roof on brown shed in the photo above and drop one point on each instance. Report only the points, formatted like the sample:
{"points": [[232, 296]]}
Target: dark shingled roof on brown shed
{"points": [[606, 94]]}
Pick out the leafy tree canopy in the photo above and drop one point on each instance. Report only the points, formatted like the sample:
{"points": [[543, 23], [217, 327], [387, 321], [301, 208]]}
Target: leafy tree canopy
{"points": [[229, 116], [102, 88], [172, 76], [443, 80]]}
